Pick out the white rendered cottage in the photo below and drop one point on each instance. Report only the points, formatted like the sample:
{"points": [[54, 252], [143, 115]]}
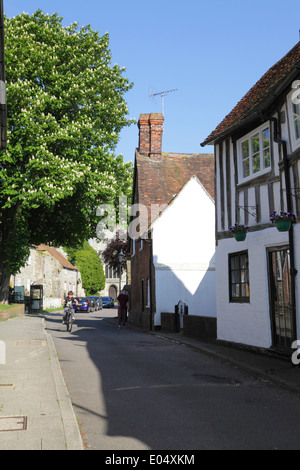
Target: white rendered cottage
{"points": [[173, 253], [257, 152]]}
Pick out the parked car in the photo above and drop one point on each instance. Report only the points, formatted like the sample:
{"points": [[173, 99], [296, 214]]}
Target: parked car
{"points": [[98, 302], [83, 304], [107, 302]]}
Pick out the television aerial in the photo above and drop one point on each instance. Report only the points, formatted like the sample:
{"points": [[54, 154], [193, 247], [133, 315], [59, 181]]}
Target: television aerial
{"points": [[153, 94]]}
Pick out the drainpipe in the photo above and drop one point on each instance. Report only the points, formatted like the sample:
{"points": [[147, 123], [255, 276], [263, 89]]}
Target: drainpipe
{"points": [[150, 279], [293, 270]]}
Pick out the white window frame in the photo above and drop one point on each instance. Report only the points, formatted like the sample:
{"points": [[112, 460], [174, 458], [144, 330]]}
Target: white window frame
{"points": [[296, 107], [248, 137]]}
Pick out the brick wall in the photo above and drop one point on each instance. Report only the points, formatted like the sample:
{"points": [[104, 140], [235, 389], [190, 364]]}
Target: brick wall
{"points": [[150, 145], [169, 322], [11, 311], [140, 275], [193, 325], [200, 327]]}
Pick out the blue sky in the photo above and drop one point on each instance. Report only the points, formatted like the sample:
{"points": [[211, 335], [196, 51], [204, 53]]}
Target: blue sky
{"points": [[212, 52]]}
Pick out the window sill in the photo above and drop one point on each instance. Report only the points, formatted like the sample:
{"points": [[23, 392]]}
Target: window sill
{"points": [[255, 176], [266, 177]]}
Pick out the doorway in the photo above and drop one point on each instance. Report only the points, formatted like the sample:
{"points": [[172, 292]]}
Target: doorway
{"points": [[280, 297], [112, 292]]}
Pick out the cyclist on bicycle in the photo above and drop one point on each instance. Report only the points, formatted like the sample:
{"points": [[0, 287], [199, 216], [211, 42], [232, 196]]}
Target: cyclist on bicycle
{"points": [[68, 302]]}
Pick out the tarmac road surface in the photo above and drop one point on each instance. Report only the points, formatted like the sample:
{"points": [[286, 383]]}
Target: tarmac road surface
{"points": [[136, 391]]}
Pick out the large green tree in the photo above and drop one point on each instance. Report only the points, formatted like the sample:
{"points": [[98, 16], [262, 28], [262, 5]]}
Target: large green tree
{"points": [[66, 109], [90, 267]]}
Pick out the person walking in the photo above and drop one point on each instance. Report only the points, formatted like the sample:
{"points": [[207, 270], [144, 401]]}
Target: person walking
{"points": [[122, 308]]}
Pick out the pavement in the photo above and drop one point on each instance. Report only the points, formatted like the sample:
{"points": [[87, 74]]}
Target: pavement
{"points": [[36, 411], [267, 365]]}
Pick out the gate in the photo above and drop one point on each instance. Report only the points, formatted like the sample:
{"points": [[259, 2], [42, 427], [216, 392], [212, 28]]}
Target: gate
{"points": [[280, 297]]}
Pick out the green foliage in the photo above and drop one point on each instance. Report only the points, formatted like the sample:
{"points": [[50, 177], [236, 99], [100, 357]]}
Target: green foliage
{"points": [[113, 249], [65, 112], [90, 266]]}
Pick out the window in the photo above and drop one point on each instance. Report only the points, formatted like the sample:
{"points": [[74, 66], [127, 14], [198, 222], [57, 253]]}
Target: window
{"points": [[143, 295], [296, 120], [148, 292], [239, 277], [255, 152], [294, 114]]}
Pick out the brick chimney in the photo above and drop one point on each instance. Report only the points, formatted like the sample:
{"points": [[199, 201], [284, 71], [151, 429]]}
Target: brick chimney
{"points": [[144, 134], [150, 134]]}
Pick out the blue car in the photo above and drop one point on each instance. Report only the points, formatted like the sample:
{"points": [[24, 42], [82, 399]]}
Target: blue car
{"points": [[107, 302], [83, 304]]}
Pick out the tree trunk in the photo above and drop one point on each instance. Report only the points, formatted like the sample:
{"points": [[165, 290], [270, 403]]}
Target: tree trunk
{"points": [[13, 247], [4, 286]]}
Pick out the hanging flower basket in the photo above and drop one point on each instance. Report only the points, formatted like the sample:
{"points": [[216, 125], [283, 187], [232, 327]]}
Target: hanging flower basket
{"points": [[283, 225], [239, 231], [283, 220], [240, 236]]}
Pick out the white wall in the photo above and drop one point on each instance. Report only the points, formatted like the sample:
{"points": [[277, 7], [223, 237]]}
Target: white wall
{"points": [[297, 267], [183, 253], [52, 302], [248, 323]]}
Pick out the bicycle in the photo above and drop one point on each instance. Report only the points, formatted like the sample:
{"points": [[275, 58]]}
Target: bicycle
{"points": [[69, 319]]}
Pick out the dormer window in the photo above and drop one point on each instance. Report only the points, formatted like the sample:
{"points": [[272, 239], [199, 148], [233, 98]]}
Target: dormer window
{"points": [[254, 153]]}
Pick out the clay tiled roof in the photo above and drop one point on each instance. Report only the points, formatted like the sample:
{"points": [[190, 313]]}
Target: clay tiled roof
{"points": [[159, 180], [261, 95], [56, 254]]}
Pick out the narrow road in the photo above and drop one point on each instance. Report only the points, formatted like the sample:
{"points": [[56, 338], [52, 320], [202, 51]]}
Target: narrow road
{"points": [[132, 391]]}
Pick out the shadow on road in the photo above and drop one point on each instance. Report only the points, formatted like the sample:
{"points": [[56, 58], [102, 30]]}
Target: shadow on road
{"points": [[140, 391], [135, 390]]}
